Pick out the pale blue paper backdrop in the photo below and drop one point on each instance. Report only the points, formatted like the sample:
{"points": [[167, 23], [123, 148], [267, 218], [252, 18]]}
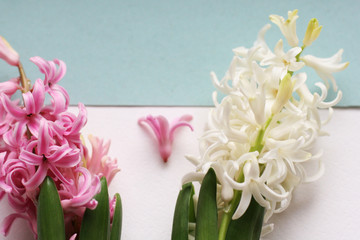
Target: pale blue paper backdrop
{"points": [[161, 52]]}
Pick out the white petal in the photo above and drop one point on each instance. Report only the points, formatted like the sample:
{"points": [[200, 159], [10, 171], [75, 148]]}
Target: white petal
{"points": [[243, 205]]}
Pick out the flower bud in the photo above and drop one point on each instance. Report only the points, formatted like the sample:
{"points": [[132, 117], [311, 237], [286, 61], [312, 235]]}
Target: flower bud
{"points": [[284, 94], [7, 53], [312, 32]]}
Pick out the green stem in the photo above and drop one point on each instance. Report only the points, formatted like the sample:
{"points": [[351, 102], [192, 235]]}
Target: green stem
{"points": [[227, 217]]}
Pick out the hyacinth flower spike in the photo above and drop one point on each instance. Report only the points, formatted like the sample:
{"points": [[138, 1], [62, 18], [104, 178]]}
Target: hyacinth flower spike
{"points": [[164, 132]]}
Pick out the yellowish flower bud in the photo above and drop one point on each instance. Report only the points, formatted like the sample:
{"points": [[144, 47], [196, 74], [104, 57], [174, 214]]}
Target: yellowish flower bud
{"points": [[284, 94], [312, 32]]}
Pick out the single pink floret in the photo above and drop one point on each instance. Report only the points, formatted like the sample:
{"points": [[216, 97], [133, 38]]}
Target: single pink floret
{"points": [[165, 133]]}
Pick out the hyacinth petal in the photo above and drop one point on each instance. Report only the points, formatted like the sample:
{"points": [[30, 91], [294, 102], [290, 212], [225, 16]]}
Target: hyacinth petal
{"points": [[270, 194], [12, 108], [58, 102], [59, 175], [29, 103], [60, 73], [293, 52], [8, 221], [243, 205], [81, 119], [153, 125], [7, 53], [6, 188], [163, 129], [192, 177], [63, 91], [31, 158], [236, 185], [37, 178], [10, 87], [44, 138], [38, 94], [177, 125], [33, 124], [257, 195], [66, 159], [40, 62], [88, 189], [186, 118]]}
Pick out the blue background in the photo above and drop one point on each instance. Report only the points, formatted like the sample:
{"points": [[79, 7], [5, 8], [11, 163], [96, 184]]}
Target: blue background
{"points": [[161, 52]]}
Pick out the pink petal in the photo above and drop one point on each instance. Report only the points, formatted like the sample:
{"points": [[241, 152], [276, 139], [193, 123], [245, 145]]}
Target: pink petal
{"points": [[177, 125], [153, 124], [33, 124], [186, 118], [60, 72], [8, 54], [67, 160], [81, 119], [12, 108], [44, 138], [38, 94], [8, 221], [59, 175], [63, 91], [31, 158], [10, 87], [73, 237], [89, 187], [42, 65], [58, 102], [164, 128], [37, 178], [6, 188]]}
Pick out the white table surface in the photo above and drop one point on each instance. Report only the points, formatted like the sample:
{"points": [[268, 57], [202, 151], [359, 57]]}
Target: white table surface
{"points": [[326, 209]]}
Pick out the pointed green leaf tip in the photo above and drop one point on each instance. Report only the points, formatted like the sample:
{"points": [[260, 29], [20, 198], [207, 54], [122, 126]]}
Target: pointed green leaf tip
{"points": [[96, 223], [50, 216], [184, 213], [249, 225], [206, 224], [117, 220]]}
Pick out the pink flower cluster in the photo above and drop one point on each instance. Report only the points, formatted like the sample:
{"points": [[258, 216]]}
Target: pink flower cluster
{"points": [[40, 137]]}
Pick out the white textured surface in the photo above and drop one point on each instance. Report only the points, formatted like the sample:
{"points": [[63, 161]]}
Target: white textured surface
{"points": [[326, 209]]}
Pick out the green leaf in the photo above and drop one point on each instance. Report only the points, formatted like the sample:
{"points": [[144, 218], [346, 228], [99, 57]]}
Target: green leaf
{"points": [[96, 223], [206, 225], [184, 213], [50, 216], [117, 220], [249, 225]]}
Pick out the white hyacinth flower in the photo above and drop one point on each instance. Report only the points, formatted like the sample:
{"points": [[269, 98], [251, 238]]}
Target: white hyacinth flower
{"points": [[283, 62], [325, 67], [287, 27], [260, 136]]}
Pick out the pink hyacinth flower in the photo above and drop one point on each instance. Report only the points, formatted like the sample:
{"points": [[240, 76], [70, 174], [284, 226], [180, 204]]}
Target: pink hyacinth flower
{"points": [[48, 156], [99, 163], [165, 133], [8, 54]]}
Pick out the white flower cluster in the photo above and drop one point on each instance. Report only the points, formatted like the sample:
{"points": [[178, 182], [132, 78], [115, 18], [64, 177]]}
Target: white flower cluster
{"points": [[261, 134]]}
